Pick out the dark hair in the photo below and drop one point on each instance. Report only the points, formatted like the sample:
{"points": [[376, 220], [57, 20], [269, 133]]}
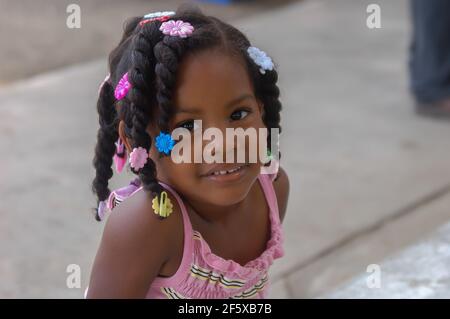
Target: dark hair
{"points": [[152, 60]]}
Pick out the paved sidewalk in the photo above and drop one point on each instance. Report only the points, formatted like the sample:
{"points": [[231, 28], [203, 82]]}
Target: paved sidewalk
{"points": [[368, 177], [39, 28], [421, 271]]}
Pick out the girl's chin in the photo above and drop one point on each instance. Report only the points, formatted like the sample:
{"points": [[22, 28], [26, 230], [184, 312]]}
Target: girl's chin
{"points": [[228, 193]]}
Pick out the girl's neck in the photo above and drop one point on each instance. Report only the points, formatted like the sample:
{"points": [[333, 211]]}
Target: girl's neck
{"points": [[215, 214]]}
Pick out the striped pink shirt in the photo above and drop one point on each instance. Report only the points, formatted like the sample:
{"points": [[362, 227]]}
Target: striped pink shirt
{"points": [[202, 274]]}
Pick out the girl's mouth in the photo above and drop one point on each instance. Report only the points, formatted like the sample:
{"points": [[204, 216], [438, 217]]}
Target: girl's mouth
{"points": [[228, 175]]}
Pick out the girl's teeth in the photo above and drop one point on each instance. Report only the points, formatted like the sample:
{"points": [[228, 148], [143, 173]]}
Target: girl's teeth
{"points": [[227, 172]]}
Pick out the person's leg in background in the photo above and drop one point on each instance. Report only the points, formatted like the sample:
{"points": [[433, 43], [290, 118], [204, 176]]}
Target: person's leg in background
{"points": [[430, 57]]}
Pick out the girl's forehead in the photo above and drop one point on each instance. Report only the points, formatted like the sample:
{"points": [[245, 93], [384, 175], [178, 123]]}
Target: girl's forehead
{"points": [[211, 75]]}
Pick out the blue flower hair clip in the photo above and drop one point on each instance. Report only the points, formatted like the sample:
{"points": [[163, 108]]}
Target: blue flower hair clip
{"points": [[164, 143]]}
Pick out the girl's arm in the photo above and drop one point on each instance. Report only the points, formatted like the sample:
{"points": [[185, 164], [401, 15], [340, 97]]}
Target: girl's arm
{"points": [[281, 185], [134, 246]]}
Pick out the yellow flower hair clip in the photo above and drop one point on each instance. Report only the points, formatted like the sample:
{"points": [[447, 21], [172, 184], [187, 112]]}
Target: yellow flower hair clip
{"points": [[162, 205]]}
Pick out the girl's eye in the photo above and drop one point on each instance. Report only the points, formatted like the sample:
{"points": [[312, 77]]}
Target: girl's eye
{"points": [[239, 115], [190, 125]]}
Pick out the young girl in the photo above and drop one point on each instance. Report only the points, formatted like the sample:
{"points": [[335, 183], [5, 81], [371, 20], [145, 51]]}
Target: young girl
{"points": [[185, 230]]}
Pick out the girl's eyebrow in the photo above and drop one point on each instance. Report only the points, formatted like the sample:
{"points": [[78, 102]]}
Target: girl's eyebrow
{"points": [[228, 105]]}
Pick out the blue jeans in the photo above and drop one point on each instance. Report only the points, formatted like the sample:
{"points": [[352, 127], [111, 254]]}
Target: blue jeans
{"points": [[429, 62]]}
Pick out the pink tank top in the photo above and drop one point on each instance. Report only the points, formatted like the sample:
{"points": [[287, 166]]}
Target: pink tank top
{"points": [[204, 275]]}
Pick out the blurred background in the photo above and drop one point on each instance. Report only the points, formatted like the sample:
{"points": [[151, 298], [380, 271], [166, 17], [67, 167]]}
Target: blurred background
{"points": [[370, 178]]}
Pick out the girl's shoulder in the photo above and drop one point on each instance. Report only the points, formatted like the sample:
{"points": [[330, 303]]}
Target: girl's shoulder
{"points": [[137, 211], [134, 219], [136, 243]]}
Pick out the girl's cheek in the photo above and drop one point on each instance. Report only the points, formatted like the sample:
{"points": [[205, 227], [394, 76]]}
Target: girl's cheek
{"points": [[180, 171]]}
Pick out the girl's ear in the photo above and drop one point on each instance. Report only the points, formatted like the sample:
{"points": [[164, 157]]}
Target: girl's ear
{"points": [[123, 137]]}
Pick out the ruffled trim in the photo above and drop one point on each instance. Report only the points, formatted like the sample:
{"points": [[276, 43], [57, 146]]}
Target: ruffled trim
{"points": [[274, 249], [202, 290]]}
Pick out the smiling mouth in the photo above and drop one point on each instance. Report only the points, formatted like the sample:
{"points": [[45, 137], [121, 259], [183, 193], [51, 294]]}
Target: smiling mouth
{"points": [[228, 175], [227, 171]]}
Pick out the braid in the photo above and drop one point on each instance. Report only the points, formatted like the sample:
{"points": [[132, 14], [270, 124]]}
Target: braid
{"points": [[167, 53], [141, 76], [269, 94], [106, 136]]}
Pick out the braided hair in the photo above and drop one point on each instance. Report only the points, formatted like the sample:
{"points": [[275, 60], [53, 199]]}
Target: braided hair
{"points": [[152, 60]]}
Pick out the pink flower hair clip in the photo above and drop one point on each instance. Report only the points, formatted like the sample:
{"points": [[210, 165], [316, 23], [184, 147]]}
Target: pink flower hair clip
{"points": [[177, 28], [138, 158], [122, 87]]}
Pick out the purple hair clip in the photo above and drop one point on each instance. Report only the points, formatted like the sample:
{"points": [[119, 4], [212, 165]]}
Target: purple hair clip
{"points": [[122, 87]]}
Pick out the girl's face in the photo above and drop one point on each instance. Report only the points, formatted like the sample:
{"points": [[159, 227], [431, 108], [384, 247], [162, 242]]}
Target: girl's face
{"points": [[215, 88]]}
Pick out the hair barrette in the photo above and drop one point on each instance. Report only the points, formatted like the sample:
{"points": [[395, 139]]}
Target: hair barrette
{"points": [[162, 19], [157, 16], [119, 157], [138, 158], [162, 205], [122, 87], [164, 143], [261, 59], [177, 28]]}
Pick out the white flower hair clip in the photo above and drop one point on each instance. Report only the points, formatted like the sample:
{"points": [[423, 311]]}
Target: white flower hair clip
{"points": [[159, 14], [261, 59]]}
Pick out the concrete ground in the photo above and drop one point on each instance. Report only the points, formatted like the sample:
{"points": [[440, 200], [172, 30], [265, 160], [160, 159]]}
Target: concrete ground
{"points": [[420, 271], [368, 177], [38, 39]]}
